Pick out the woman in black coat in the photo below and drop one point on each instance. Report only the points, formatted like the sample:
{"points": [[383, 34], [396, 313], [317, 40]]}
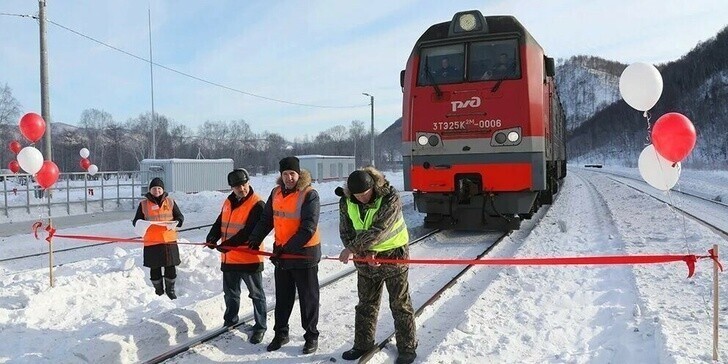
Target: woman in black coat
{"points": [[160, 240]]}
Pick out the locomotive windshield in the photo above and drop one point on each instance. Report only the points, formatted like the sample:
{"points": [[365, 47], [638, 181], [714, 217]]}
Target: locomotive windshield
{"points": [[440, 65], [489, 60]]}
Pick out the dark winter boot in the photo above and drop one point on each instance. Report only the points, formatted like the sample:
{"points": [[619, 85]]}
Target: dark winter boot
{"points": [[310, 346], [158, 287], [278, 341], [169, 285], [353, 354], [405, 358]]}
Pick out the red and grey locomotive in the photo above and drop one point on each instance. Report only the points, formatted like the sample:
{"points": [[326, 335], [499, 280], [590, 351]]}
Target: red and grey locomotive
{"points": [[482, 128]]}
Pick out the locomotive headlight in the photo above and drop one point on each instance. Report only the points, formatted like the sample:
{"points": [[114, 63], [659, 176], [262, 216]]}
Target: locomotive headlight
{"points": [[433, 140], [500, 138], [467, 22], [513, 136], [422, 140]]}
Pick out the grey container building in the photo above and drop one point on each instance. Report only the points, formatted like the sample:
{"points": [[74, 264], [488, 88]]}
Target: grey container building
{"points": [[328, 167], [188, 175]]}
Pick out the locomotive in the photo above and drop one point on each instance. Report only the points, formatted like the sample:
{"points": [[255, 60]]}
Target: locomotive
{"points": [[483, 132]]}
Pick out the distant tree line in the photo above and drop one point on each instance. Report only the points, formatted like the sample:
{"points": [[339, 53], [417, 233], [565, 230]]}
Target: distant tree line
{"points": [[116, 145]]}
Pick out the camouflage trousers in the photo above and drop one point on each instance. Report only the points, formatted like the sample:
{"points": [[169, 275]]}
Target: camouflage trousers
{"points": [[367, 311]]}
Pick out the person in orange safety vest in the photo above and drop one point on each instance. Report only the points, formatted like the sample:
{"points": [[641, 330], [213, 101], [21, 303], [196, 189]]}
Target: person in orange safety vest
{"points": [[241, 211], [160, 241], [293, 210]]}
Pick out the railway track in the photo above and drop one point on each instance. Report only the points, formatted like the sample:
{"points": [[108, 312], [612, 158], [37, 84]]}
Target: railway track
{"points": [[684, 193], [702, 220], [433, 298], [245, 322]]}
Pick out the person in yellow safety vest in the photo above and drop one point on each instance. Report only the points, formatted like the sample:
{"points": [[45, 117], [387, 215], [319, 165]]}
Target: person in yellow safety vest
{"points": [[240, 212], [293, 209], [371, 225], [160, 242]]}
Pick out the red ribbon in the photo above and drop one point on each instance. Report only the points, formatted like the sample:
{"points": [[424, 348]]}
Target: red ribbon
{"points": [[592, 260], [52, 233]]}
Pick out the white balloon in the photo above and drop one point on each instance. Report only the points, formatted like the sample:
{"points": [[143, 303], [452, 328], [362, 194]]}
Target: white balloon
{"points": [[84, 153], [30, 160], [640, 85], [656, 170], [92, 169]]}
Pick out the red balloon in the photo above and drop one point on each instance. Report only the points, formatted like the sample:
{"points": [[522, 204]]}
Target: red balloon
{"points": [[14, 166], [673, 136], [85, 163], [15, 146], [48, 174], [32, 126]]}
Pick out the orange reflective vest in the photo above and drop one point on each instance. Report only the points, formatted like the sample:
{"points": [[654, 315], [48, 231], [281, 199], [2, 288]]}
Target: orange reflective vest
{"points": [[156, 234], [287, 216], [233, 220]]}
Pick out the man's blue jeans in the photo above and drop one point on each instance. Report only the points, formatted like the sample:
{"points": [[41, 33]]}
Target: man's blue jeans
{"points": [[231, 289]]}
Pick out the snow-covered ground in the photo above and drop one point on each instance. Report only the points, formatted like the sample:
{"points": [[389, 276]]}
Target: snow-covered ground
{"points": [[103, 308]]}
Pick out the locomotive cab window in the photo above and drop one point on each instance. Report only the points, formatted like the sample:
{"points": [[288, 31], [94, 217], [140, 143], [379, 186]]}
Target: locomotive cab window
{"points": [[494, 60], [441, 65]]}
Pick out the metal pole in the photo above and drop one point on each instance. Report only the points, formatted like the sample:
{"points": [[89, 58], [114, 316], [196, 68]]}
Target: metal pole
{"points": [[102, 191], [371, 140], [68, 194], [132, 191], [715, 304], [50, 244], [151, 77], [27, 192], [45, 105], [118, 202], [371, 147], [5, 193], [85, 192]]}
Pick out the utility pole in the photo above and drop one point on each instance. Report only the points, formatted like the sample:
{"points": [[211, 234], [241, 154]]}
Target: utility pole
{"points": [[45, 110], [371, 141], [151, 77], [45, 104]]}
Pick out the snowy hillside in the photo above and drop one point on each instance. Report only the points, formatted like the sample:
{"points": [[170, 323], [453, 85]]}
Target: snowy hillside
{"points": [[585, 88]]}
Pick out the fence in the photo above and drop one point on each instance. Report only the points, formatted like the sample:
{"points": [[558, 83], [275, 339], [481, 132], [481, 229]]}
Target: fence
{"points": [[73, 189]]}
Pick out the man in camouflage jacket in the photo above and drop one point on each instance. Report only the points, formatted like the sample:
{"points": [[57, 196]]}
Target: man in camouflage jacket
{"points": [[372, 226]]}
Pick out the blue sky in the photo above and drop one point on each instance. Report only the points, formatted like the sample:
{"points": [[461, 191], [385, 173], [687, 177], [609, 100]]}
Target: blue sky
{"points": [[323, 53]]}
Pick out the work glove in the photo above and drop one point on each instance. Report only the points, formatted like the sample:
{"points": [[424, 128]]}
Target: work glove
{"points": [[254, 245], [277, 252], [225, 246]]}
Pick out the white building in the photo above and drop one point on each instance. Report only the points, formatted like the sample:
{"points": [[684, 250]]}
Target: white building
{"points": [[328, 167]]}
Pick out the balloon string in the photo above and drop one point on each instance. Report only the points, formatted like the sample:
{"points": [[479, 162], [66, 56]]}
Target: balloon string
{"points": [[647, 115]]}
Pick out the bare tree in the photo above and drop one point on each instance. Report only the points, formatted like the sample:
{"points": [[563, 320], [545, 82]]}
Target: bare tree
{"points": [[94, 123], [9, 113]]}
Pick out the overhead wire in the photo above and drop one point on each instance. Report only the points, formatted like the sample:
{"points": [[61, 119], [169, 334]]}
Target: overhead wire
{"points": [[185, 74]]}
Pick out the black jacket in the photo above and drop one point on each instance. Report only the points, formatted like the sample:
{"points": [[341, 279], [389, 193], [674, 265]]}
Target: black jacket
{"points": [[309, 222], [241, 237]]}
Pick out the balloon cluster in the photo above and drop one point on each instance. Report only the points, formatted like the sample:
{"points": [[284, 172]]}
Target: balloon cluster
{"points": [[86, 163], [673, 135], [32, 127]]}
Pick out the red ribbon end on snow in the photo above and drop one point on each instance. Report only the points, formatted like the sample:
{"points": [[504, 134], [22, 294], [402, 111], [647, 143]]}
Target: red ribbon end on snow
{"points": [[35, 227], [51, 231]]}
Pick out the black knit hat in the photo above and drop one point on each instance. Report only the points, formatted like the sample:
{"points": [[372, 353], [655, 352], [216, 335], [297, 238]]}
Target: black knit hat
{"points": [[359, 181], [290, 164], [238, 177], [156, 182]]}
